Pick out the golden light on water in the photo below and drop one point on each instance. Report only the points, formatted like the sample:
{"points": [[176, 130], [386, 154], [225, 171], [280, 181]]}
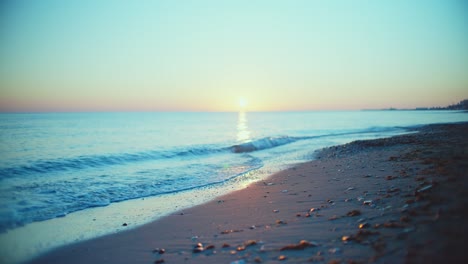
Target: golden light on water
{"points": [[243, 132]]}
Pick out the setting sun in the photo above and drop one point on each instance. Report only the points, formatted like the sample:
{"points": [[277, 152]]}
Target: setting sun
{"points": [[242, 103]]}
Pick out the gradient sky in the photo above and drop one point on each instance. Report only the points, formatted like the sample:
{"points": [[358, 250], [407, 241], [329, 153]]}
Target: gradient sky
{"points": [[89, 55]]}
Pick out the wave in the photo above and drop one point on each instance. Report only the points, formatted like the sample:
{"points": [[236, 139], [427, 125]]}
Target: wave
{"points": [[58, 198], [272, 142], [264, 143], [96, 161]]}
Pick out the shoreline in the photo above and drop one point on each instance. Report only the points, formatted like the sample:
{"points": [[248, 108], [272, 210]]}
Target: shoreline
{"points": [[273, 214]]}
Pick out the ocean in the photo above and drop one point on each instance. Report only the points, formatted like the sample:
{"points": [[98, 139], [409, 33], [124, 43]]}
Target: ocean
{"points": [[68, 167]]}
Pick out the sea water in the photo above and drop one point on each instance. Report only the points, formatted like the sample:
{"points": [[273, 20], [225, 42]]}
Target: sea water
{"points": [[63, 168]]}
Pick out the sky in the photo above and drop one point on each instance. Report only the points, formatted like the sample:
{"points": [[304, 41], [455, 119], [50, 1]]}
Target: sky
{"points": [[115, 55]]}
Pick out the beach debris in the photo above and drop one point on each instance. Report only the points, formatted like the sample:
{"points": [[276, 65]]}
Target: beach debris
{"points": [[354, 213], [425, 188], [159, 261], [198, 248], [367, 202], [350, 189], [282, 257], [252, 227], [194, 238], [330, 201], [284, 191], [300, 246], [220, 201], [231, 231], [258, 260], [360, 198], [307, 215], [275, 211], [232, 252], [124, 224], [240, 248], [268, 184]]}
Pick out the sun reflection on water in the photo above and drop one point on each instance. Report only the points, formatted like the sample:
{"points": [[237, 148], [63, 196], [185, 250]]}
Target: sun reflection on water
{"points": [[243, 132]]}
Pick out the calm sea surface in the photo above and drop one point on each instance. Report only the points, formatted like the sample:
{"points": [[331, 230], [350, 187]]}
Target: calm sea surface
{"points": [[57, 163]]}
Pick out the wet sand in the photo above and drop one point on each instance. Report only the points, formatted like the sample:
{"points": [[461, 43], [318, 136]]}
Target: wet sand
{"points": [[397, 200]]}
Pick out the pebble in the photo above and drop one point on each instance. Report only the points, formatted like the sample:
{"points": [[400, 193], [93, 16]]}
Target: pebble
{"points": [[333, 217], [301, 245], [354, 213], [346, 238], [198, 248], [209, 247], [159, 250], [364, 225], [250, 243], [280, 222]]}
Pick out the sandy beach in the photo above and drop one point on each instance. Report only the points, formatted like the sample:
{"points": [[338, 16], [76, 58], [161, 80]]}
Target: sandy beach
{"points": [[397, 200]]}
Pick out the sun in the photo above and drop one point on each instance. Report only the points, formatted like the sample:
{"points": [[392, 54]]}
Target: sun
{"points": [[242, 103]]}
